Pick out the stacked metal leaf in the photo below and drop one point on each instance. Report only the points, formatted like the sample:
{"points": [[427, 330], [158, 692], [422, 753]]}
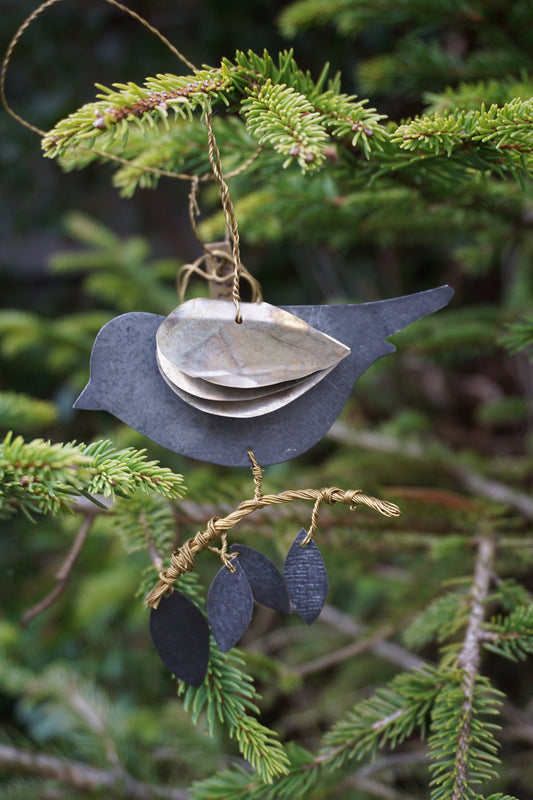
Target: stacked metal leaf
{"points": [[245, 369]]}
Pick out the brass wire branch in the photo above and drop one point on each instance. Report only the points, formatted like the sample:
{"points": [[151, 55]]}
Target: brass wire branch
{"points": [[183, 560]]}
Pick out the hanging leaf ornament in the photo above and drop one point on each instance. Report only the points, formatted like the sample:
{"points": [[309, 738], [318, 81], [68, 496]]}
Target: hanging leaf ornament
{"points": [[229, 606], [180, 634], [306, 578]]}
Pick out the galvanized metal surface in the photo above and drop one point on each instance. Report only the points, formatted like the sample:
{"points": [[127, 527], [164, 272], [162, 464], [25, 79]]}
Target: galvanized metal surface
{"points": [[126, 381]]}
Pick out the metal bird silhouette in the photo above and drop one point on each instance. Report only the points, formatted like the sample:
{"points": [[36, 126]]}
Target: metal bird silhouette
{"points": [[126, 381]]}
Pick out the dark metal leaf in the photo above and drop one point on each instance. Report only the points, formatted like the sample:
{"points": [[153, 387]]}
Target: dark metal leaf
{"points": [[306, 578], [229, 606], [180, 634], [265, 579]]}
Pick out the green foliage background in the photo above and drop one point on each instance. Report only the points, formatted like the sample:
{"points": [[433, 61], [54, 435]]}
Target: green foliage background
{"points": [[433, 187]]}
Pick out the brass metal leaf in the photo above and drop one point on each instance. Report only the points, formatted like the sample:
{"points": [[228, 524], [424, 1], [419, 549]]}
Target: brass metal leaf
{"points": [[270, 346]]}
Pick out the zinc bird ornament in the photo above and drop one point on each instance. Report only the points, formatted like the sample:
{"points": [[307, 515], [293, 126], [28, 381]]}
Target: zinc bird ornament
{"points": [[241, 384], [202, 385], [260, 390]]}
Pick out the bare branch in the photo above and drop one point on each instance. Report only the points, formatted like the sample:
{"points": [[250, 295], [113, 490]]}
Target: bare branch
{"points": [[85, 776], [344, 653], [387, 650], [470, 656], [469, 478], [363, 779], [63, 574]]}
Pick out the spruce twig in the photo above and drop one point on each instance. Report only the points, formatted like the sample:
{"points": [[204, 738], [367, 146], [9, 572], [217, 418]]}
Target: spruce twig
{"points": [[470, 656]]}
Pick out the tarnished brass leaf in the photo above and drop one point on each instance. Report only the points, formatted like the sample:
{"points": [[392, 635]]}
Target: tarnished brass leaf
{"points": [[256, 406], [215, 391], [270, 346]]}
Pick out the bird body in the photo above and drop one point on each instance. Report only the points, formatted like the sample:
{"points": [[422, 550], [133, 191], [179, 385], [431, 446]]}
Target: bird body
{"points": [[126, 381]]}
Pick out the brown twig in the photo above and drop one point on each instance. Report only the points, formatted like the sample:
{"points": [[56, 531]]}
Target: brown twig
{"points": [[85, 776], [469, 478], [470, 656], [344, 653], [63, 574], [363, 780]]}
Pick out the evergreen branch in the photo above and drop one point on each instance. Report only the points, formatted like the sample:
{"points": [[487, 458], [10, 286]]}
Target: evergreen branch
{"points": [[285, 119], [228, 695], [127, 471], [302, 776], [251, 69], [349, 120], [436, 134], [23, 412], [387, 718], [281, 104], [43, 478], [109, 116], [145, 522], [116, 271], [58, 342], [519, 335], [463, 747], [181, 148], [497, 796], [84, 776], [511, 636], [462, 744], [512, 595], [469, 96], [504, 134], [440, 620], [352, 16]]}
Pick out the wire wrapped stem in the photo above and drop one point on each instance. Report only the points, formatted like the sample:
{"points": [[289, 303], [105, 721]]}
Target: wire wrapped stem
{"points": [[183, 560]]}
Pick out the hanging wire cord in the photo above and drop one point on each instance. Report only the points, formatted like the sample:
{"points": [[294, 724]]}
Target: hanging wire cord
{"points": [[183, 560], [29, 21], [229, 213], [213, 152]]}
